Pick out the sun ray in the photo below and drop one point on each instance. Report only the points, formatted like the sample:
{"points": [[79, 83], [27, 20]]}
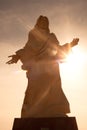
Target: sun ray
{"points": [[75, 61]]}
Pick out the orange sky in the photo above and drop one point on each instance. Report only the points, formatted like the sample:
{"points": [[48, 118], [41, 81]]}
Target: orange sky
{"points": [[67, 20]]}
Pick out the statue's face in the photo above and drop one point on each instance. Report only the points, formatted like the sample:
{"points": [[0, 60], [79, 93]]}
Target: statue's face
{"points": [[43, 22]]}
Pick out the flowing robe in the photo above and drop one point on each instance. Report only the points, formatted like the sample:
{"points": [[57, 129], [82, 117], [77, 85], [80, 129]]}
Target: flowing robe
{"points": [[44, 96]]}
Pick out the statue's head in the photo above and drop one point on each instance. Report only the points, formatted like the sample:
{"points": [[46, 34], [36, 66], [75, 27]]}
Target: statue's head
{"points": [[42, 22]]}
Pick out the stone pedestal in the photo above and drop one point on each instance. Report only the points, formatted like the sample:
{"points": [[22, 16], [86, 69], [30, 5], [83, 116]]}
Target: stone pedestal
{"points": [[55, 123]]}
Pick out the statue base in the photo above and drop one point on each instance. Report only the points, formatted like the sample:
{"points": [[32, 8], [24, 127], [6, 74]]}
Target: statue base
{"points": [[50, 123]]}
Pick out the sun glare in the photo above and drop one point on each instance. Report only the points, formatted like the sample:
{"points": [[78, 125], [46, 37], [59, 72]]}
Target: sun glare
{"points": [[75, 60]]}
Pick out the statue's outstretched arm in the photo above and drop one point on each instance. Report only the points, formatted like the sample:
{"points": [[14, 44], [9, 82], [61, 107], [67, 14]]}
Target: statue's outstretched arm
{"points": [[14, 59], [65, 49], [71, 44], [74, 42]]}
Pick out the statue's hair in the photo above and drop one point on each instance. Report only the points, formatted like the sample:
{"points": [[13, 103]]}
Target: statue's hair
{"points": [[42, 22]]}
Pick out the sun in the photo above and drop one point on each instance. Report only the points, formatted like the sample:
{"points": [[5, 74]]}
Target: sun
{"points": [[74, 60]]}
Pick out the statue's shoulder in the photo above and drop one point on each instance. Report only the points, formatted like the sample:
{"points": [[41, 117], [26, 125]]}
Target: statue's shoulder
{"points": [[52, 34], [53, 37], [31, 32]]}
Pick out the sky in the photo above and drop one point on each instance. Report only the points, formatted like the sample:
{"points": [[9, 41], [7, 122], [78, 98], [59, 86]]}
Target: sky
{"points": [[68, 19]]}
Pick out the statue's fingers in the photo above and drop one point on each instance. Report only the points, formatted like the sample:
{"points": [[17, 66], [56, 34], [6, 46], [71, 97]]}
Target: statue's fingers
{"points": [[11, 56], [78, 39], [9, 62]]}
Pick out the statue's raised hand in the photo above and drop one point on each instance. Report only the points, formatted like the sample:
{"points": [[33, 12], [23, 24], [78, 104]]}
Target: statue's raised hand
{"points": [[14, 59], [74, 42]]}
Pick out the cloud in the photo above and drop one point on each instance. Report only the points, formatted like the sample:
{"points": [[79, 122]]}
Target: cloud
{"points": [[11, 28], [17, 17]]}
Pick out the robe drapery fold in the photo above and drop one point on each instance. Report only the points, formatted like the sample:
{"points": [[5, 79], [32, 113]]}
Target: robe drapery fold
{"points": [[44, 96]]}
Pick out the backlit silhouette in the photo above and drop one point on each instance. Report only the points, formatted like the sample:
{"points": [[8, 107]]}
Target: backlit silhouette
{"points": [[41, 56]]}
